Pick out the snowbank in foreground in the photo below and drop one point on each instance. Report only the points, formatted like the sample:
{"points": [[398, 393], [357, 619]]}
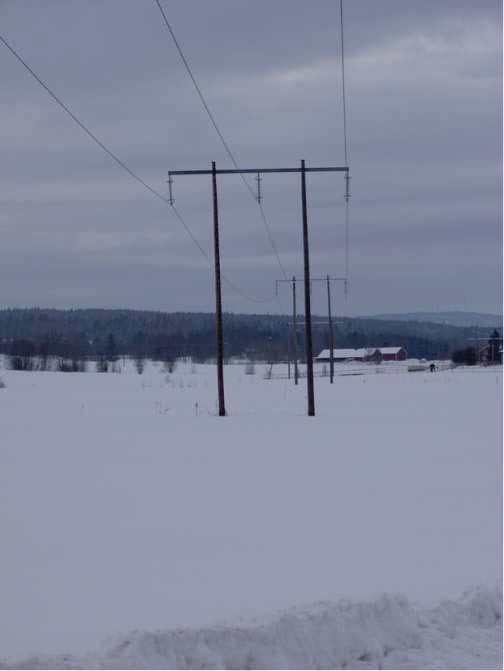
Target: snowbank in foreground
{"points": [[386, 633]]}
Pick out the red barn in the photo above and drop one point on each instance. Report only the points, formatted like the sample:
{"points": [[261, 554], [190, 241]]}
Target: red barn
{"points": [[393, 353]]}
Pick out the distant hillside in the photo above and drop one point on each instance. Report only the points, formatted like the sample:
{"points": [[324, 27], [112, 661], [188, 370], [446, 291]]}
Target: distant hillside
{"points": [[451, 317], [193, 334]]}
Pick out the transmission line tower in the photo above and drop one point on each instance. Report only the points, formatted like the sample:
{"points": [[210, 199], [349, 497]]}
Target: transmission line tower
{"points": [[302, 170]]}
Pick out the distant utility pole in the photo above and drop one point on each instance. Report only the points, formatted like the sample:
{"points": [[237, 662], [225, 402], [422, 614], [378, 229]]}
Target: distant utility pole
{"points": [[306, 257], [288, 353], [347, 238], [328, 281], [322, 323], [294, 325]]}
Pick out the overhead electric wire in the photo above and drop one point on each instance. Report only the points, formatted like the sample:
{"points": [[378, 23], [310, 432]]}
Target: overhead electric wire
{"points": [[220, 135], [122, 165]]}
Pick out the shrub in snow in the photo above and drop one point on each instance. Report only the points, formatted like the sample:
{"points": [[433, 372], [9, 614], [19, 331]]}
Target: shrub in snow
{"points": [[71, 365], [22, 355], [2, 384], [102, 365], [250, 368], [170, 366], [22, 363], [467, 356]]}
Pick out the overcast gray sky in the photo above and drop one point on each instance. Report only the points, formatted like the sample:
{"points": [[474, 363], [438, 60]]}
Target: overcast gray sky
{"points": [[424, 87]]}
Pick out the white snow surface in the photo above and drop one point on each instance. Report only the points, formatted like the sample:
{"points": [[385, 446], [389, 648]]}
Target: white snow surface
{"points": [[127, 507]]}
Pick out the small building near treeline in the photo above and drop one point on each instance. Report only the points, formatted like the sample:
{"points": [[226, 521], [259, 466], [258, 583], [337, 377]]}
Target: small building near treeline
{"points": [[363, 354], [393, 353]]}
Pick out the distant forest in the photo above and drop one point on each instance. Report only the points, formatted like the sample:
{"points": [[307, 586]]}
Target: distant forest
{"points": [[93, 334]]}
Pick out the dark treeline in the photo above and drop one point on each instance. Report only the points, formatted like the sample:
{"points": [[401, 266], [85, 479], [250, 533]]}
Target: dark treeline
{"points": [[489, 352], [76, 336]]}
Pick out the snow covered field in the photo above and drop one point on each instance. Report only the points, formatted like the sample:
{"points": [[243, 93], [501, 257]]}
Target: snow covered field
{"points": [[128, 505]]}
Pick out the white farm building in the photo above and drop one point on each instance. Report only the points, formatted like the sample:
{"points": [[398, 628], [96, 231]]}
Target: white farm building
{"points": [[370, 354]]}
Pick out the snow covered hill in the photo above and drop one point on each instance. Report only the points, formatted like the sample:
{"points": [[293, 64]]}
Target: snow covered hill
{"points": [[453, 317]]}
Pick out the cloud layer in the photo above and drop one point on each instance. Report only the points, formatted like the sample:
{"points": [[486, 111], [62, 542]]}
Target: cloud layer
{"points": [[424, 118]]}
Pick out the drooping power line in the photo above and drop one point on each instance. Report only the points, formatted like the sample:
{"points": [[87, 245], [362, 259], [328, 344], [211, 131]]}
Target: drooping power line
{"points": [[220, 135], [121, 164]]}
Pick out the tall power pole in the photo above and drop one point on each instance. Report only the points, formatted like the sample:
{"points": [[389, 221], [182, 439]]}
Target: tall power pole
{"points": [[218, 298], [308, 326], [306, 257]]}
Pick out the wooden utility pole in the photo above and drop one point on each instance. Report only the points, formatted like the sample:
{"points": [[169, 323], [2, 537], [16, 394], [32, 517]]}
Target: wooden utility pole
{"points": [[331, 331], [327, 279], [306, 256], [294, 331], [288, 353], [218, 298], [294, 325], [347, 238], [308, 327]]}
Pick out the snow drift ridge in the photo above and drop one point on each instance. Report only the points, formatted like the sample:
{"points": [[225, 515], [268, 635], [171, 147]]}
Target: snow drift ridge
{"points": [[386, 633]]}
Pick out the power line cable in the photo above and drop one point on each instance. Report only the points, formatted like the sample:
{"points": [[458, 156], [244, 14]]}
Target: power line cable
{"points": [[220, 135], [122, 165]]}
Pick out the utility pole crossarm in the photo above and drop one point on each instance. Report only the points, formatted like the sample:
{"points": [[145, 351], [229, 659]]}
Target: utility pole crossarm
{"points": [[324, 279], [257, 171]]}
